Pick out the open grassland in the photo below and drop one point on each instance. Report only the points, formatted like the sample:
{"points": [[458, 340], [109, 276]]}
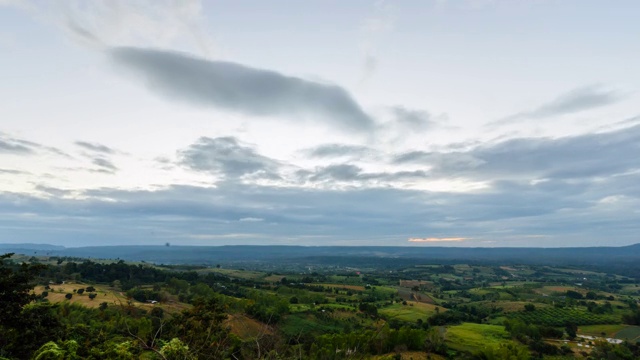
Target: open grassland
{"points": [[410, 312], [103, 293], [472, 337], [247, 328]]}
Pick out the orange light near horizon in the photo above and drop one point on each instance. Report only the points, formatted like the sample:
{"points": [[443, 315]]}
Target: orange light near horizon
{"points": [[433, 239]]}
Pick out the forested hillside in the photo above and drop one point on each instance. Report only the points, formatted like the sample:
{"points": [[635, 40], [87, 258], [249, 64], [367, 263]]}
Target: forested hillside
{"points": [[72, 308]]}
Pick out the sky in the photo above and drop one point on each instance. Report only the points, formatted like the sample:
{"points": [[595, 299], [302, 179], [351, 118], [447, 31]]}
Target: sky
{"points": [[478, 123]]}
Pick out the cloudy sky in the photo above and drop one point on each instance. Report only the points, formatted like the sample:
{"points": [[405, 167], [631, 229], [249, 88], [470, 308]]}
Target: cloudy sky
{"points": [[422, 123]]}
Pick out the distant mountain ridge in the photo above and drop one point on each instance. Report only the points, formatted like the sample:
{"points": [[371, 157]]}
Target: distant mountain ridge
{"points": [[268, 253]]}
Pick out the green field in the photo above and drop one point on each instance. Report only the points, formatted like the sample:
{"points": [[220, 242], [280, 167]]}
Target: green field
{"points": [[630, 333], [471, 337], [410, 312], [597, 330]]}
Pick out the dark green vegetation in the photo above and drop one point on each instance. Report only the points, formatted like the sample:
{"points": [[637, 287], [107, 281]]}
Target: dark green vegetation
{"points": [[56, 306]]}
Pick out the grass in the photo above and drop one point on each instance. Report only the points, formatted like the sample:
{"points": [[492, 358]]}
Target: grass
{"points": [[471, 337], [104, 294], [343, 286], [597, 330], [410, 312], [247, 328]]}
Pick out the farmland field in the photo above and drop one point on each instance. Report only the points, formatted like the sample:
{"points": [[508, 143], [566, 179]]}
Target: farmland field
{"points": [[476, 336], [630, 333], [553, 316], [410, 312], [343, 286], [104, 293], [597, 330]]}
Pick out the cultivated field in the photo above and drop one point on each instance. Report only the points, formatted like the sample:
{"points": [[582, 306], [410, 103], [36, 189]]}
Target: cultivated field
{"points": [[410, 312]]}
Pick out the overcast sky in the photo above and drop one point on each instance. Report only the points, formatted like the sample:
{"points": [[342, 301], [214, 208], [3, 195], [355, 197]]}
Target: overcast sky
{"points": [[397, 123]]}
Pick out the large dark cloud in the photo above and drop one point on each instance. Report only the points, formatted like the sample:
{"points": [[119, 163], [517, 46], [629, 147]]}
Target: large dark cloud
{"points": [[576, 100], [243, 89], [227, 157]]}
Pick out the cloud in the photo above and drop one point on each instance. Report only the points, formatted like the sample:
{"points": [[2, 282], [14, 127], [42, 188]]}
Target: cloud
{"points": [[339, 150], [13, 145], [572, 157], [576, 100], [435, 239], [51, 191], [227, 157], [104, 165], [13, 172], [353, 173], [96, 147], [380, 22], [251, 219], [239, 88], [413, 119], [564, 211]]}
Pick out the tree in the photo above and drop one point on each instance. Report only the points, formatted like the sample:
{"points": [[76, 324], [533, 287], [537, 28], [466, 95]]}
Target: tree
{"points": [[68, 296], [92, 296], [571, 329], [435, 342], [16, 283], [202, 329], [529, 307], [52, 351]]}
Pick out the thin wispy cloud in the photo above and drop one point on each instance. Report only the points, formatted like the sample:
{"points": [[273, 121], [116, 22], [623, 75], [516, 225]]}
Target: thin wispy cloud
{"points": [[373, 27], [96, 147], [577, 100]]}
